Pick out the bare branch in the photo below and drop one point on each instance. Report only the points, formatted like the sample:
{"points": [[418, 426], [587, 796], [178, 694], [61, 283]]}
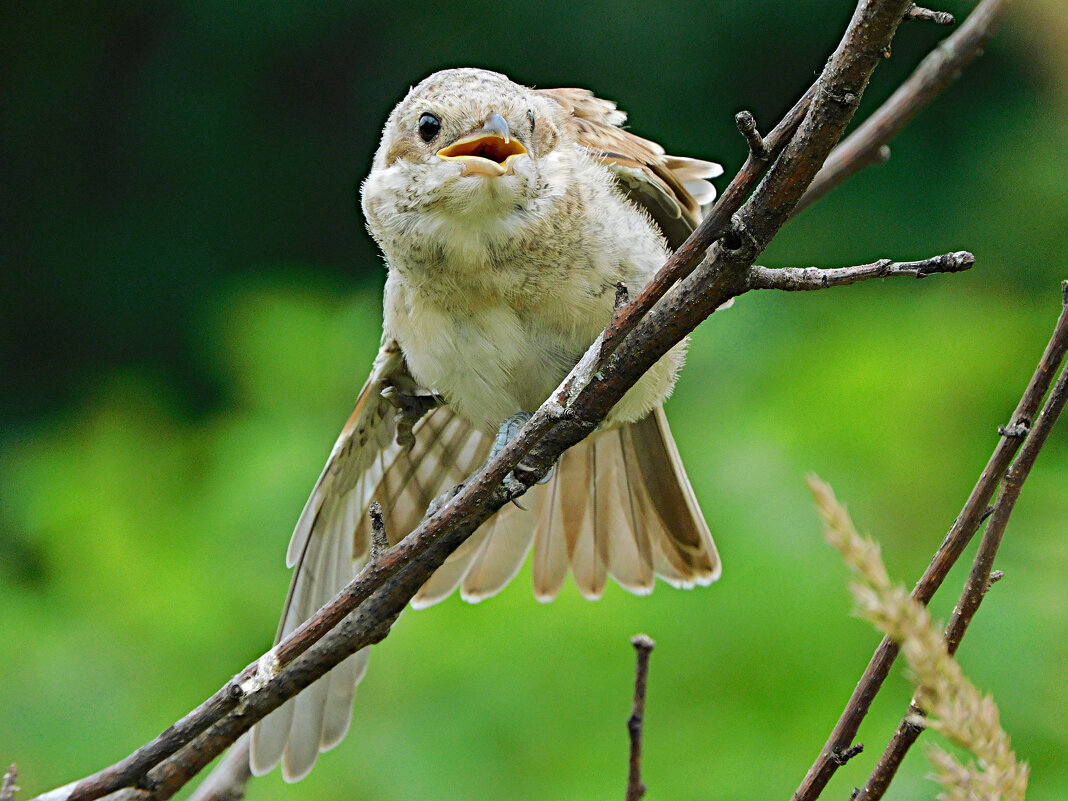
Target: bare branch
{"points": [[981, 576], [963, 714], [644, 646], [865, 146], [795, 279], [960, 534]]}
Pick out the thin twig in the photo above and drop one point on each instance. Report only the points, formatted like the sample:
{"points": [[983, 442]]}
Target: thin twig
{"points": [[979, 579], [960, 534], [942, 66], [746, 123], [644, 646], [811, 278], [927, 15]]}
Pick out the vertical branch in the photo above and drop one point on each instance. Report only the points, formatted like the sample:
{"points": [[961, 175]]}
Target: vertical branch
{"points": [[644, 646]]}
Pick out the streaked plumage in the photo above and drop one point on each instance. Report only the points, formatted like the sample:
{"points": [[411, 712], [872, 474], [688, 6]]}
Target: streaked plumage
{"points": [[505, 234]]}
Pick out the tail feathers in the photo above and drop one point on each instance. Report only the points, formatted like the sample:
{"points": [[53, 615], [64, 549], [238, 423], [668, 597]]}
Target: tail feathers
{"points": [[622, 504], [551, 554], [501, 555], [684, 554], [619, 504]]}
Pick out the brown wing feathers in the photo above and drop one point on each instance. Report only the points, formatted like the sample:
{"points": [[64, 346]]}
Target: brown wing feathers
{"points": [[671, 188]]}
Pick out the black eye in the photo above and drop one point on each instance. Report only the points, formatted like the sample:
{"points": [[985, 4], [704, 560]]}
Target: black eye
{"points": [[530, 116], [429, 125]]}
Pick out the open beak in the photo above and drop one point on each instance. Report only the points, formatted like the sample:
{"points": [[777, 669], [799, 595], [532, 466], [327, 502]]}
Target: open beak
{"points": [[488, 151]]}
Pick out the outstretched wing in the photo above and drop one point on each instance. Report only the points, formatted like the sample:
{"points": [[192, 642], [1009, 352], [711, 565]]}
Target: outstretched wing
{"points": [[671, 188], [330, 544]]}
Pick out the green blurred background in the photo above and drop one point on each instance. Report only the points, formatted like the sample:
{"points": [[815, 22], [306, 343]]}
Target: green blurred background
{"points": [[191, 304]]}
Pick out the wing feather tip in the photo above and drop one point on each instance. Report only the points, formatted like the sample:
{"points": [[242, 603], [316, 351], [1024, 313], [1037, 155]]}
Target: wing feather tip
{"points": [[258, 768], [690, 582], [291, 774], [423, 603]]}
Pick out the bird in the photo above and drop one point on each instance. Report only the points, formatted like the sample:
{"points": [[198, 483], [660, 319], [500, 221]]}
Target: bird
{"points": [[506, 215]]}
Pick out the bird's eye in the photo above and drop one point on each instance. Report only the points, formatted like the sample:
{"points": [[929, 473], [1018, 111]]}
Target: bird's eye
{"points": [[530, 116], [429, 125]]}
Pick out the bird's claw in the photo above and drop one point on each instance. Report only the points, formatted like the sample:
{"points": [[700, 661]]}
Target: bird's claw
{"points": [[410, 409], [508, 430]]}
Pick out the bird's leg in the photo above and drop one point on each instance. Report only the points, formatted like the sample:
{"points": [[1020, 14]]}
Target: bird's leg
{"points": [[506, 433], [410, 409]]}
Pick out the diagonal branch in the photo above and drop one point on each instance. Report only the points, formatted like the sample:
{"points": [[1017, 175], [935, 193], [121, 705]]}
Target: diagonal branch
{"points": [[980, 577], [942, 66]]}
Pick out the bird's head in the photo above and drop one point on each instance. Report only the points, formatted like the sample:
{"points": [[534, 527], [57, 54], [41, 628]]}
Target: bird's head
{"points": [[469, 142]]}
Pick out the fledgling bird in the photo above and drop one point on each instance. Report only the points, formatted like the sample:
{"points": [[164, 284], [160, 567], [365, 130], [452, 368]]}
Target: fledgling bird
{"points": [[507, 216]]}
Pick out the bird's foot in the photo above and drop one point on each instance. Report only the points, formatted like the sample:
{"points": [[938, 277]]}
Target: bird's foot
{"points": [[508, 431], [410, 408]]}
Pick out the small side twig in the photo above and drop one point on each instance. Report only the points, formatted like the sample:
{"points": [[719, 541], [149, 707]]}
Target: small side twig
{"points": [[842, 757], [927, 15], [379, 537], [799, 279], [644, 646], [9, 788], [746, 123]]}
